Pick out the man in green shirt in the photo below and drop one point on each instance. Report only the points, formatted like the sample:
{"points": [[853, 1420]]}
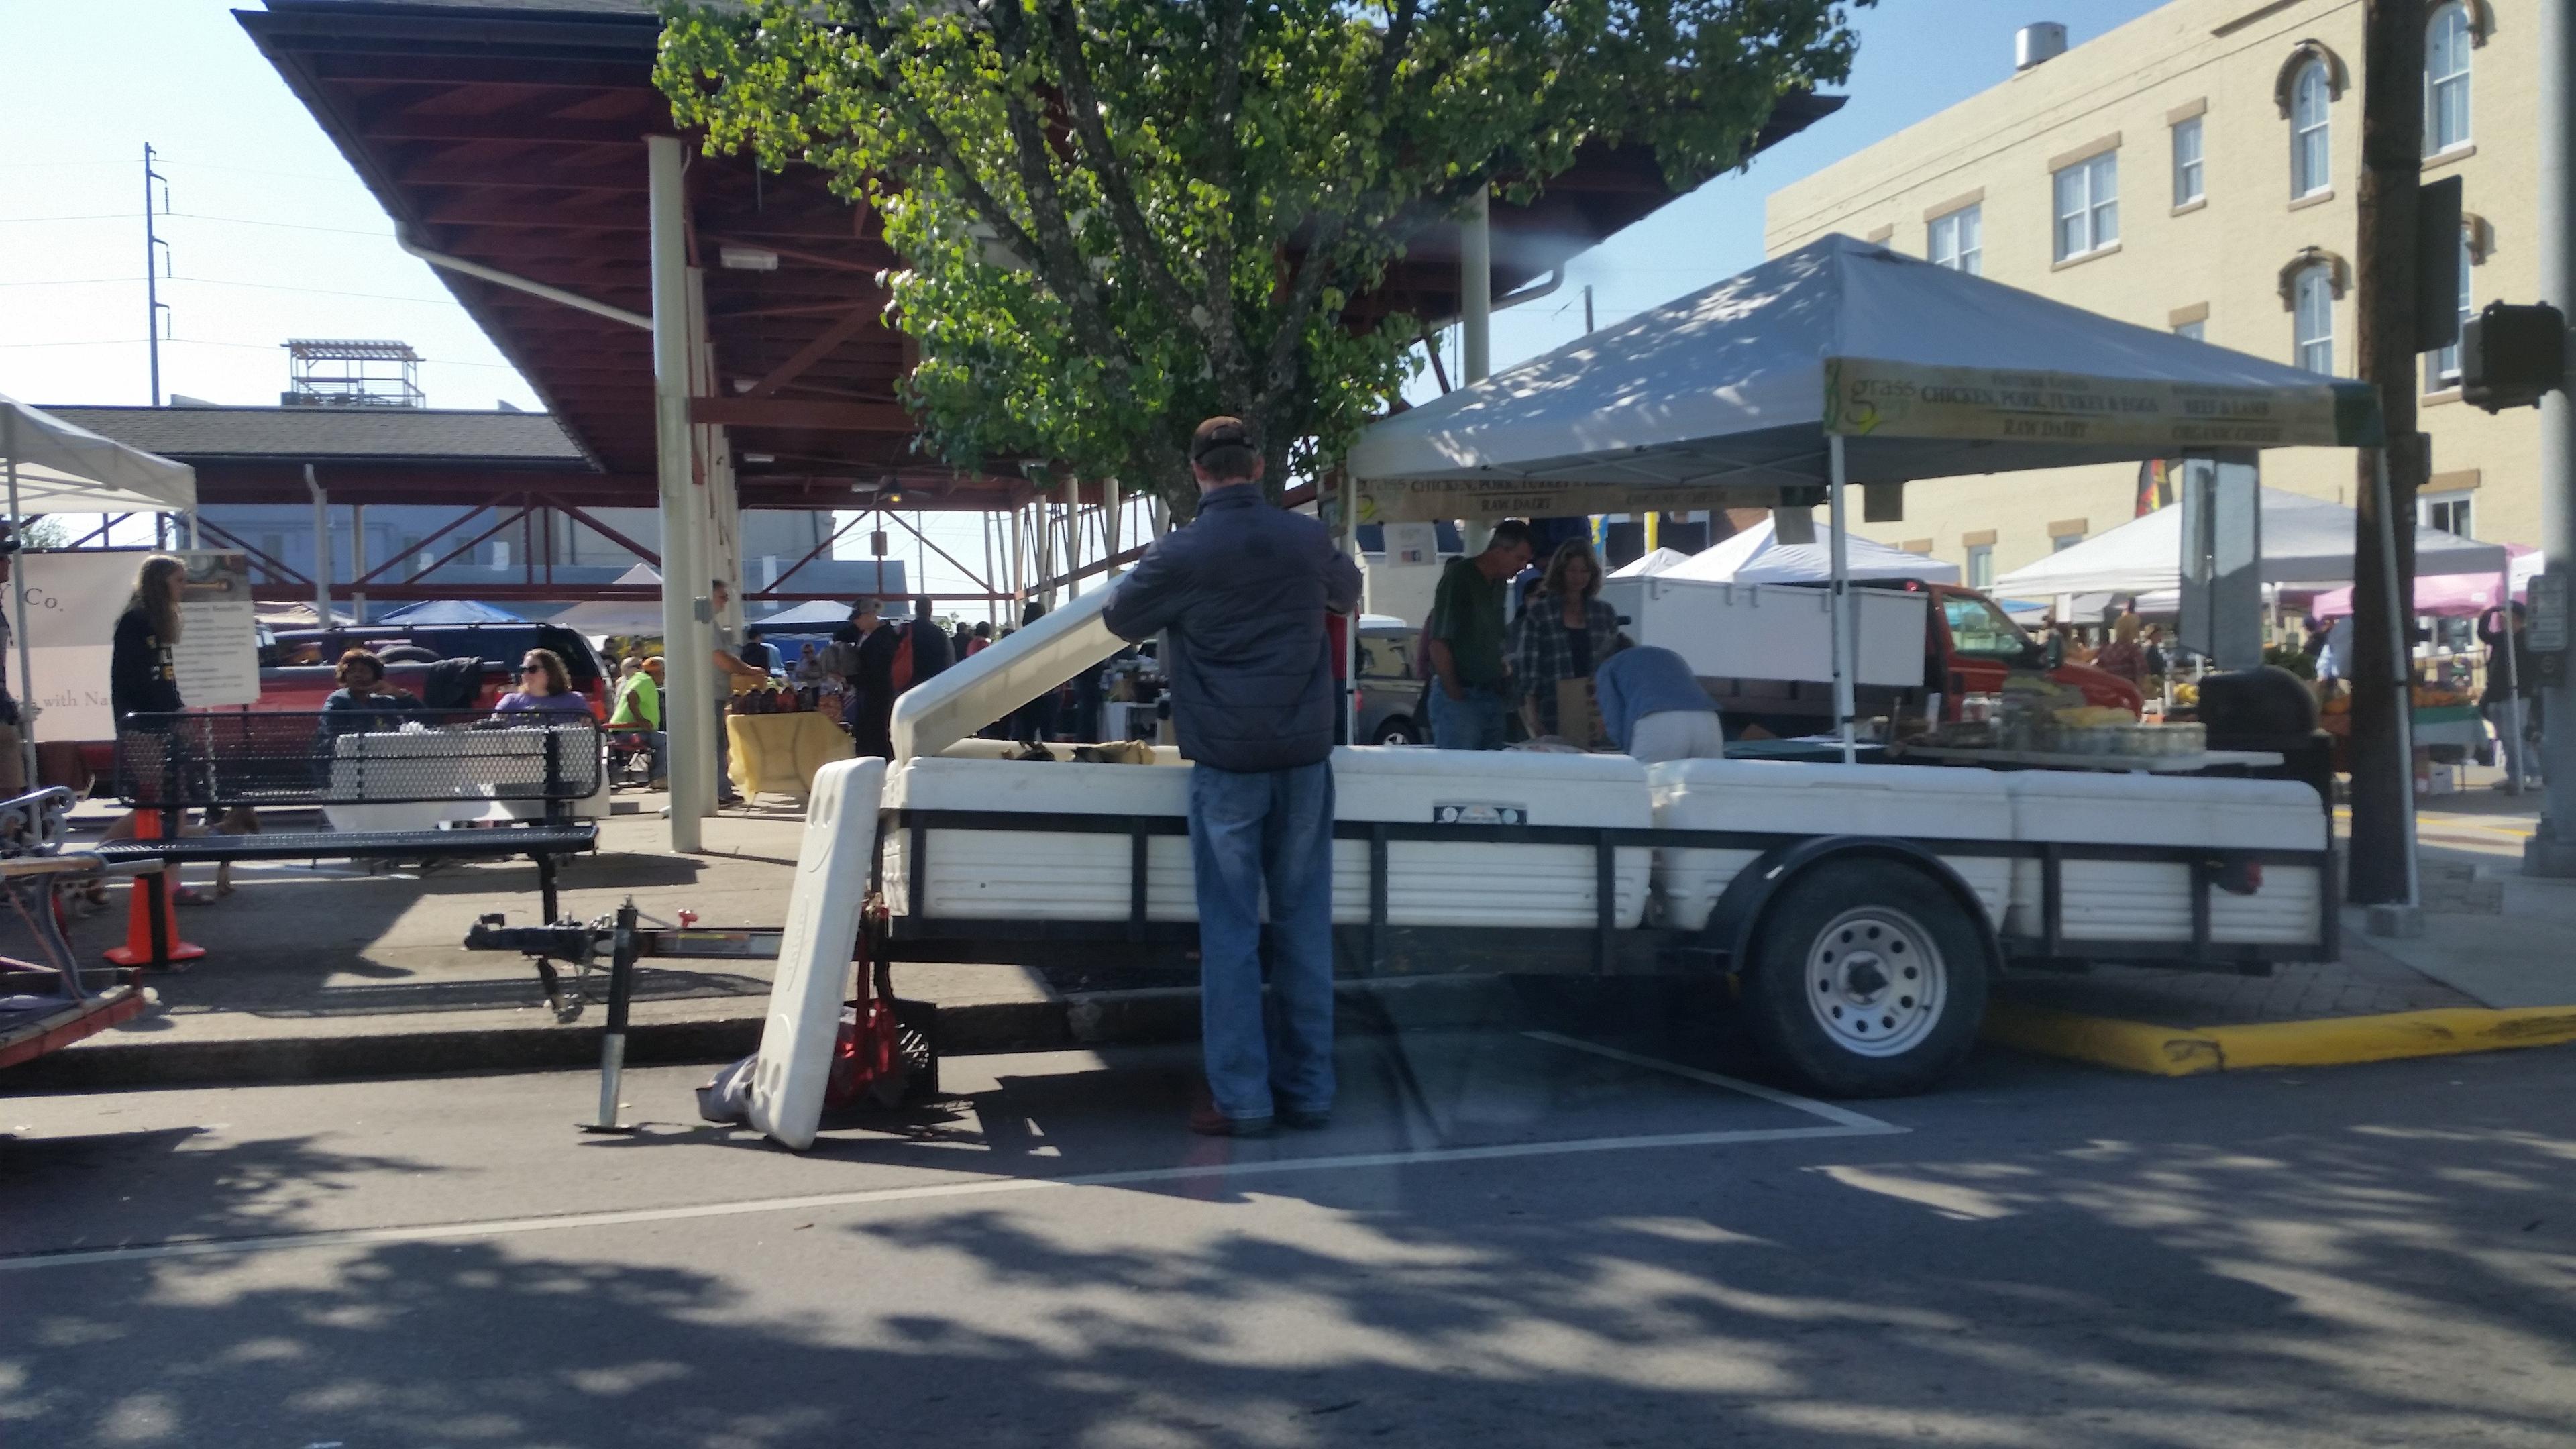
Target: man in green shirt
{"points": [[639, 708], [1466, 642]]}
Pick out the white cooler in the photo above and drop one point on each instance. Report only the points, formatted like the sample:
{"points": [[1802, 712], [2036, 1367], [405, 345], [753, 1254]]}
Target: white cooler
{"points": [[1064, 876], [2121, 900], [1913, 803]]}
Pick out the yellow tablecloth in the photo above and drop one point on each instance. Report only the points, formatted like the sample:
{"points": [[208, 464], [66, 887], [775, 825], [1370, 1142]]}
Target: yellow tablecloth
{"points": [[777, 754]]}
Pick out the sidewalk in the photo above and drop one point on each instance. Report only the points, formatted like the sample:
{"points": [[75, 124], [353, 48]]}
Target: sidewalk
{"points": [[322, 972], [2494, 968], [326, 970]]}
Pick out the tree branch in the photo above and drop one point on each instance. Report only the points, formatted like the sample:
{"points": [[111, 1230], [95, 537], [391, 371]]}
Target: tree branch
{"points": [[1052, 250], [1082, 105]]}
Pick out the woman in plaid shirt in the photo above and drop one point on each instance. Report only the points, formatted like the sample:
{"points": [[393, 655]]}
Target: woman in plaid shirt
{"points": [[1563, 632]]}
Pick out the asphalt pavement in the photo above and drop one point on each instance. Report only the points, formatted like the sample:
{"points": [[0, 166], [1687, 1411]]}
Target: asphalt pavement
{"points": [[1505, 1238]]}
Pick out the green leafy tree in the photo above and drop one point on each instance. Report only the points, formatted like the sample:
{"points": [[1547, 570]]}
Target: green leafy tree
{"points": [[1120, 216]]}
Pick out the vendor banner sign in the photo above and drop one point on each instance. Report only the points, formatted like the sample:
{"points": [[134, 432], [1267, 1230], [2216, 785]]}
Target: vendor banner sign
{"points": [[1867, 397], [69, 602]]}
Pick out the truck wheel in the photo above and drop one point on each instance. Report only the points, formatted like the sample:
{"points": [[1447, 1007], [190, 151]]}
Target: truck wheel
{"points": [[1396, 730], [1865, 979]]}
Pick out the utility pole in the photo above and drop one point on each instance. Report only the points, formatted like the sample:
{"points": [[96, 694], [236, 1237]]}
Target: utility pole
{"points": [[1587, 309], [2552, 849], [2392, 153], [152, 254]]}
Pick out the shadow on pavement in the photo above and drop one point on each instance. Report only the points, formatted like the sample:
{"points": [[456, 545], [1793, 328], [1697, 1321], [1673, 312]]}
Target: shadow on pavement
{"points": [[2204, 1287]]}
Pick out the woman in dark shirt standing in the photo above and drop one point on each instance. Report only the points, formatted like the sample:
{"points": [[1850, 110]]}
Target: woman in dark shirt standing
{"points": [[1563, 634], [143, 679], [142, 676]]}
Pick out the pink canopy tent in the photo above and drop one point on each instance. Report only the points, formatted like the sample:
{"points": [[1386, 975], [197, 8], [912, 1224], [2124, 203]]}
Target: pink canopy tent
{"points": [[2450, 594]]}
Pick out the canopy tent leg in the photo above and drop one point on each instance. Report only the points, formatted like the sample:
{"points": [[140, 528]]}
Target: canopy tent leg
{"points": [[18, 595], [1846, 638]]}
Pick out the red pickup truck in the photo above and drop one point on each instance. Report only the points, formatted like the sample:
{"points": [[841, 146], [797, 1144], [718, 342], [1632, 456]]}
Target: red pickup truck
{"points": [[1972, 646]]}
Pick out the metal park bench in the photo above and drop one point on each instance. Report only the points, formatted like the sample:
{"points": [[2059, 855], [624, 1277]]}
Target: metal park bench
{"points": [[424, 785]]}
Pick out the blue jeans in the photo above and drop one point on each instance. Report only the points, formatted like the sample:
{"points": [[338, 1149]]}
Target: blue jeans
{"points": [[1473, 723], [1246, 830]]}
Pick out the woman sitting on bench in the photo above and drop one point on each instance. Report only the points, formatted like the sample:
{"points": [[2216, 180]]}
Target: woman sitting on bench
{"points": [[544, 685]]}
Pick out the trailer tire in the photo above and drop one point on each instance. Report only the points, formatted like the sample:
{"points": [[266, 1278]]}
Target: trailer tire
{"points": [[1865, 978]]}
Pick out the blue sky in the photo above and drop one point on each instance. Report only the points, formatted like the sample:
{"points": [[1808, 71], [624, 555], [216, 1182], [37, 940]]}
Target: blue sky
{"points": [[274, 237]]}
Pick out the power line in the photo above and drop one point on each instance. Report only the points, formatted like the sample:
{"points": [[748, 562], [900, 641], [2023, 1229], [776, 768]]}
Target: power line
{"points": [[239, 346], [283, 225], [227, 282], [201, 216]]}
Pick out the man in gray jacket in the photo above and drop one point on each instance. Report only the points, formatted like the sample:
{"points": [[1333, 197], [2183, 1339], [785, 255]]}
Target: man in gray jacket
{"points": [[1242, 592]]}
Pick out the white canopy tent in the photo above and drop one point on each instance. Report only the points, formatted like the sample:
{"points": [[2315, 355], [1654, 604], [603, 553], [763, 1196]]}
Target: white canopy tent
{"points": [[1652, 562], [2305, 541], [53, 467], [1837, 363], [610, 617], [1757, 556]]}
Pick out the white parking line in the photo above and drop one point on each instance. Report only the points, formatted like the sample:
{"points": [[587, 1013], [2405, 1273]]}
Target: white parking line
{"points": [[1827, 1110], [1841, 1123]]}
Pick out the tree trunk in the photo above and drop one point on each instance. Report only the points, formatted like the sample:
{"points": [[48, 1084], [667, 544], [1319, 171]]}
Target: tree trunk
{"points": [[2385, 267]]}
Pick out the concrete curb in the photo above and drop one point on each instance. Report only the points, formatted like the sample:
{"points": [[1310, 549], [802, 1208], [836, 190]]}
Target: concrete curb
{"points": [[2171, 1051], [1109, 1018]]}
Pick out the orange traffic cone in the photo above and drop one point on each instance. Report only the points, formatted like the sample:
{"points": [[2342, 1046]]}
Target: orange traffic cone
{"points": [[151, 925]]}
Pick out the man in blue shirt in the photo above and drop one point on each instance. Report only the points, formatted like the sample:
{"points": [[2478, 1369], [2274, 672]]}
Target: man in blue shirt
{"points": [[1243, 591], [1653, 706]]}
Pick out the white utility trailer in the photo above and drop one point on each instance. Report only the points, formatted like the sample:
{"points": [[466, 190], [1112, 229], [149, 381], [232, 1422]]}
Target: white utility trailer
{"points": [[1861, 910]]}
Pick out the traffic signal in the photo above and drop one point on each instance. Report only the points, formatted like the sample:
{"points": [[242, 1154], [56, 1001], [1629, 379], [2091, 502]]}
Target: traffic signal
{"points": [[2510, 355]]}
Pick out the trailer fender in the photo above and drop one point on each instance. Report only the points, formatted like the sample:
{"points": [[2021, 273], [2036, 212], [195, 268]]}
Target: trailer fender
{"points": [[1747, 899]]}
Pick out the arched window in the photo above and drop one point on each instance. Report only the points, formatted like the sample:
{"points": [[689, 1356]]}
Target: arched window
{"points": [[2311, 130], [2446, 78], [2312, 317], [2442, 364]]}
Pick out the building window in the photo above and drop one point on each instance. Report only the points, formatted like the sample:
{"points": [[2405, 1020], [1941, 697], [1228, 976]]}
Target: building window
{"points": [[2448, 513], [1958, 241], [1981, 566], [2196, 331], [2186, 162], [2446, 79], [2442, 364], [2311, 131], [2088, 205], [2312, 318], [2064, 541]]}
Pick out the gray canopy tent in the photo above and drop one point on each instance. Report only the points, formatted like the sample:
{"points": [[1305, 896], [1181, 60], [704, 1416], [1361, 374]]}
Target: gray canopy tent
{"points": [[1838, 363]]}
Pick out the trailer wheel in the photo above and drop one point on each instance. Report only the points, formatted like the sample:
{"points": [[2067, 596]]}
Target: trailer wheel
{"points": [[1866, 978]]}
